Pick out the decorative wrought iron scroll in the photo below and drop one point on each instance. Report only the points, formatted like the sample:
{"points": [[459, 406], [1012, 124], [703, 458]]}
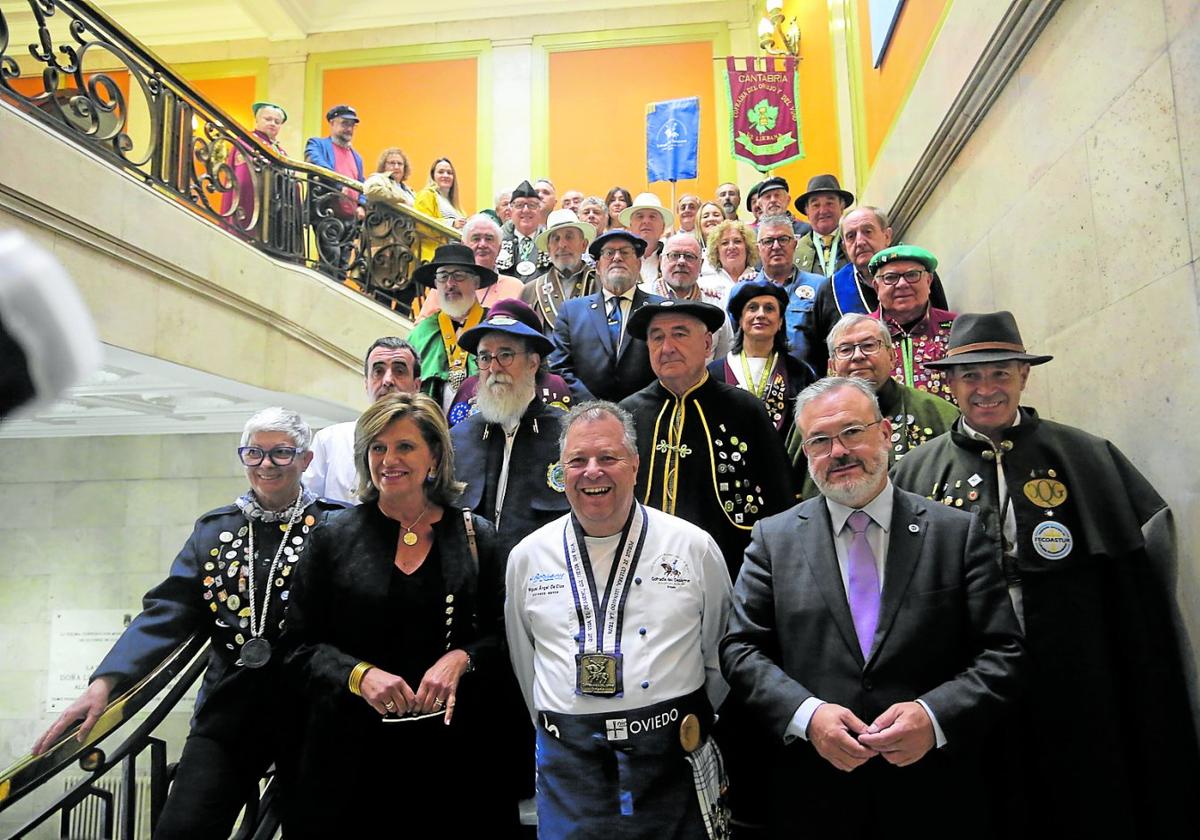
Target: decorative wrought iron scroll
{"points": [[97, 86]]}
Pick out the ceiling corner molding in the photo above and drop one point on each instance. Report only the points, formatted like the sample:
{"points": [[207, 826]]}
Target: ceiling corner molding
{"points": [[1019, 29]]}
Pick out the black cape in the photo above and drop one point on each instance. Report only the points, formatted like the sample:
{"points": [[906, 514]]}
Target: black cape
{"points": [[1104, 743]]}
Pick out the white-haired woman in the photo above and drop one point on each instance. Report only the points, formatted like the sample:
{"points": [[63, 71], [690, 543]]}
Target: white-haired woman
{"points": [[230, 582]]}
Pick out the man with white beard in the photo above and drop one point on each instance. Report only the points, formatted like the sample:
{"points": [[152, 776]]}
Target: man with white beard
{"points": [[445, 363], [507, 452], [681, 280]]}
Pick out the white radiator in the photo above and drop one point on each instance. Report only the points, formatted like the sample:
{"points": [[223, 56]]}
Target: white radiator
{"points": [[87, 818]]}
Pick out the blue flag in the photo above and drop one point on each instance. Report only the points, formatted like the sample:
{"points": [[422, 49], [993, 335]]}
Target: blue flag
{"points": [[672, 139]]}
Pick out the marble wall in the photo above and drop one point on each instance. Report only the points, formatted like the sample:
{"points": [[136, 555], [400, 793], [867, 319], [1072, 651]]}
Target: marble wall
{"points": [[1076, 205], [91, 523]]}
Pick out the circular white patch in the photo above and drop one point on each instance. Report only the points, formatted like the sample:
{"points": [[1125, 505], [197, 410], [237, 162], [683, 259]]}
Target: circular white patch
{"points": [[1052, 540]]}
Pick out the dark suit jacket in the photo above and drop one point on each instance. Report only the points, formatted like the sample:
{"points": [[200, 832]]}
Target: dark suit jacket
{"points": [[583, 354], [947, 635]]}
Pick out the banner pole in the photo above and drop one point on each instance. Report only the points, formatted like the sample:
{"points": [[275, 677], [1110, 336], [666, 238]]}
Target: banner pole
{"points": [[673, 198]]}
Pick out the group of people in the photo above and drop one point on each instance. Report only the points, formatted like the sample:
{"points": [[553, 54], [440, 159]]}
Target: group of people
{"points": [[766, 548]]}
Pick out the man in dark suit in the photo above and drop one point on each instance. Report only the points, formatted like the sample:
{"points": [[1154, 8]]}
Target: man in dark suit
{"points": [[876, 626], [593, 351]]}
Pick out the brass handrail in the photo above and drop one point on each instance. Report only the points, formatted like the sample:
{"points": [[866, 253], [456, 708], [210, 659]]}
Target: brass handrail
{"points": [[200, 157], [22, 777]]}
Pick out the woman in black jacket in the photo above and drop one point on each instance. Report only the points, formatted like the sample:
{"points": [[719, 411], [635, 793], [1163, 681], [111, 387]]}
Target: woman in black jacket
{"points": [[395, 629]]}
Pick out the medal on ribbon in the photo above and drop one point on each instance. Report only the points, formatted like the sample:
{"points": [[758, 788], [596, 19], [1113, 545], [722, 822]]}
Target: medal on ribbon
{"points": [[599, 660]]}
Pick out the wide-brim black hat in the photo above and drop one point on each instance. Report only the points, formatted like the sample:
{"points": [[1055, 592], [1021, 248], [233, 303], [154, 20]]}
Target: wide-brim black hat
{"points": [[981, 337], [711, 316], [822, 184], [639, 244], [745, 292], [453, 253]]}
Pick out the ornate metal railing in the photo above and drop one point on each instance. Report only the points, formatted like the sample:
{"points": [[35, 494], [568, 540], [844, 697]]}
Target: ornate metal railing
{"points": [[99, 87], [187, 663]]}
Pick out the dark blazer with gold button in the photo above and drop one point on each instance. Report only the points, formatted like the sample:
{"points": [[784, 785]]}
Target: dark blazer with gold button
{"points": [[339, 613], [946, 635], [207, 592]]}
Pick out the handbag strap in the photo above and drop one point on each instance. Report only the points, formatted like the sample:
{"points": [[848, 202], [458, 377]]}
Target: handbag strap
{"points": [[469, 524]]}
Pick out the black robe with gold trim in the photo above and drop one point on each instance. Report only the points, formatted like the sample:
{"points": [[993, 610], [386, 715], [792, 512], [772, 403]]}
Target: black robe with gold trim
{"points": [[712, 457]]}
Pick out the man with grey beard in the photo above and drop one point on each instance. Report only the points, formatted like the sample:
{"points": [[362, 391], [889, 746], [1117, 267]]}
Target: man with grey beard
{"points": [[507, 452], [873, 637], [565, 240]]}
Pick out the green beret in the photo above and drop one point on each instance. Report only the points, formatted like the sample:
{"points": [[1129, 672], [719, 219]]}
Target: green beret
{"points": [[903, 252], [258, 106]]}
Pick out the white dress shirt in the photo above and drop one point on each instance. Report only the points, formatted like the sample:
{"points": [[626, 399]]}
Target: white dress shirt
{"points": [[332, 474], [626, 308]]}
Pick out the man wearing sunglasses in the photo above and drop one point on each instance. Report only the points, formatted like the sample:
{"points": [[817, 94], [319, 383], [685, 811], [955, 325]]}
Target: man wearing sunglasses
{"points": [[874, 625], [903, 278]]}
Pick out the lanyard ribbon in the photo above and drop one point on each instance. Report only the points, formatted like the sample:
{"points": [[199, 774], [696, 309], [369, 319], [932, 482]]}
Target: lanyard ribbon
{"points": [[594, 637]]}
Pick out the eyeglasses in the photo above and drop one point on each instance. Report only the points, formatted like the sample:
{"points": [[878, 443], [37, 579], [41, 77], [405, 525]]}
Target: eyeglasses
{"points": [[505, 357], [771, 242], [280, 456], [456, 276], [868, 348], [613, 253], [526, 205], [684, 256], [894, 277], [850, 437]]}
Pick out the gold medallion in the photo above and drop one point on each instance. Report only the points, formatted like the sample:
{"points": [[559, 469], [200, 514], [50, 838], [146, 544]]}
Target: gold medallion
{"points": [[689, 733], [1045, 492], [410, 538], [597, 673]]}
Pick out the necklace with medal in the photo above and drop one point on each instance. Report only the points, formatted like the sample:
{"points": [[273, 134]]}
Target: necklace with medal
{"points": [[410, 537], [256, 652], [599, 662]]}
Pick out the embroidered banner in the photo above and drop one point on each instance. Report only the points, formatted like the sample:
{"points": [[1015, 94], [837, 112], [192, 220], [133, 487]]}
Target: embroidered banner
{"points": [[672, 139], [764, 115]]}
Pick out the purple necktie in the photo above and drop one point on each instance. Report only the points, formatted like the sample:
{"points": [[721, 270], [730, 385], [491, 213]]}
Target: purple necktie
{"points": [[864, 582]]}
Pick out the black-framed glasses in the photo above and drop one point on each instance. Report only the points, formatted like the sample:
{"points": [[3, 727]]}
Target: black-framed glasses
{"points": [[846, 351], [484, 359], [772, 241], [891, 278], [613, 253], [280, 456], [460, 276], [850, 437]]}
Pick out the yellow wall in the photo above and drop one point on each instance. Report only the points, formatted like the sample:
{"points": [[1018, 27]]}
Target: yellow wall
{"points": [[818, 106], [234, 95], [428, 108], [884, 90], [597, 140]]}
